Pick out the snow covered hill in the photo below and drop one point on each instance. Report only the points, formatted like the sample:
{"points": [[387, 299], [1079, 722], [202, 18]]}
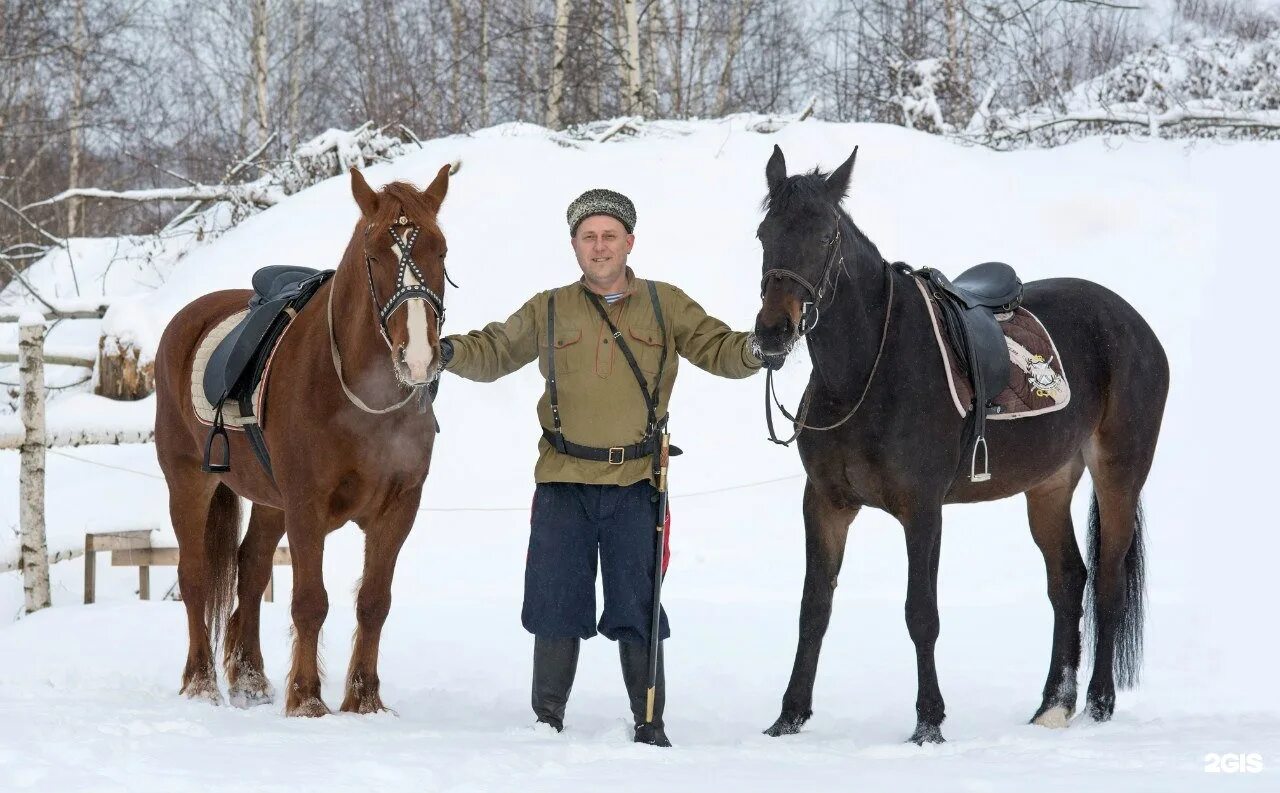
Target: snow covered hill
{"points": [[1184, 231]]}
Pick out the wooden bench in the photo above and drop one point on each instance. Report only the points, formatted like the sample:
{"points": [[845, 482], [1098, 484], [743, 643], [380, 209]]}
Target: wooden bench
{"points": [[132, 548]]}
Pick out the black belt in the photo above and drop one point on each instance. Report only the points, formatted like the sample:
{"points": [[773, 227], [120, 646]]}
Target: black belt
{"points": [[614, 455]]}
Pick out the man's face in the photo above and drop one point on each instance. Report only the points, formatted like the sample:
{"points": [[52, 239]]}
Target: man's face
{"points": [[602, 245]]}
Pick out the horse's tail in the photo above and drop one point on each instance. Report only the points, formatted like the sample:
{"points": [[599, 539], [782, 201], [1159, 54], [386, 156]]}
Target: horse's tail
{"points": [[221, 538], [1129, 623]]}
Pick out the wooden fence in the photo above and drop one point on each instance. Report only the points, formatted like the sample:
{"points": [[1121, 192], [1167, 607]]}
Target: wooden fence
{"points": [[35, 439]]}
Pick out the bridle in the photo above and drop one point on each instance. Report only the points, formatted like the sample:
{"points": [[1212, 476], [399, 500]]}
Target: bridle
{"points": [[411, 284], [834, 264]]}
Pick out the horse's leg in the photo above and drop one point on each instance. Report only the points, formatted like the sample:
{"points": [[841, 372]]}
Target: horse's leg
{"points": [[190, 500], [826, 527], [382, 543], [310, 606], [205, 515], [923, 527], [1115, 525], [247, 682], [1049, 512]]}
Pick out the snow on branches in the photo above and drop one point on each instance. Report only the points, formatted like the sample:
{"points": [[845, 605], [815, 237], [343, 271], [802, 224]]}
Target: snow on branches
{"points": [[1221, 87]]}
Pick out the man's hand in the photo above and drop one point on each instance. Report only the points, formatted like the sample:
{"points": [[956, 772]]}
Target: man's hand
{"points": [[446, 352]]}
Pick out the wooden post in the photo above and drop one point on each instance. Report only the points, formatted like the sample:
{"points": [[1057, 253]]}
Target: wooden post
{"points": [[35, 551], [90, 570]]}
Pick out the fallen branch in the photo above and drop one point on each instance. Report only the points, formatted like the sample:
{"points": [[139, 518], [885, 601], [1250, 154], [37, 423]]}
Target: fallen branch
{"points": [[621, 124], [61, 243], [250, 194]]}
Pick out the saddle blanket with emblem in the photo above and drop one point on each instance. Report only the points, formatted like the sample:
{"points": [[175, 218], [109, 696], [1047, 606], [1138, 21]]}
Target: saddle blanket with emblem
{"points": [[1037, 376]]}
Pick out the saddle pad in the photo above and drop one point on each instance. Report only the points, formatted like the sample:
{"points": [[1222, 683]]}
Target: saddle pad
{"points": [[231, 408], [1037, 378]]}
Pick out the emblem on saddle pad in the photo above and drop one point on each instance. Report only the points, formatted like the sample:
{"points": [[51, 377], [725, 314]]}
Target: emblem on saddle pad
{"points": [[1042, 377]]}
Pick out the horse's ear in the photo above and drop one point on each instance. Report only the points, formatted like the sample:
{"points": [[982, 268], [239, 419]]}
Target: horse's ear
{"points": [[366, 197], [775, 173], [439, 186], [838, 182]]}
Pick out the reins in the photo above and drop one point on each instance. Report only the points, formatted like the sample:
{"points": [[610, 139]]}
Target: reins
{"points": [[806, 400], [411, 284], [337, 366]]}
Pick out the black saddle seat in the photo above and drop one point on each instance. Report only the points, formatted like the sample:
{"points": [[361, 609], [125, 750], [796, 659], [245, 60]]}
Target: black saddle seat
{"points": [[993, 285], [277, 281]]}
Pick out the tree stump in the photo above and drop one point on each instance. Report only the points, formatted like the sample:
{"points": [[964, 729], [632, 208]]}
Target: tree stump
{"points": [[121, 372]]}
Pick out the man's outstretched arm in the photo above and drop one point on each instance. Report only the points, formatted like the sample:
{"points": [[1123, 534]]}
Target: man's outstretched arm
{"points": [[497, 349], [709, 343]]}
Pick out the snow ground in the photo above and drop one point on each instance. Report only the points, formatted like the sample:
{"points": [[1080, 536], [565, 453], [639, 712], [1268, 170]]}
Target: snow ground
{"points": [[88, 693]]}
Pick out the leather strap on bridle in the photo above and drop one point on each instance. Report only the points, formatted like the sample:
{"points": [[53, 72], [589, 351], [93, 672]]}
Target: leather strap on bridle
{"points": [[806, 401], [834, 258], [405, 289], [337, 367]]}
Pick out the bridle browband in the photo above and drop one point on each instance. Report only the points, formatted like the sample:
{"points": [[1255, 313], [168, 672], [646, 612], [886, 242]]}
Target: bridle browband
{"points": [[834, 256]]}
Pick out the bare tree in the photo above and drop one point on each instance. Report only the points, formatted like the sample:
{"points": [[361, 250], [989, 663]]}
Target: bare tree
{"points": [[555, 93], [634, 98]]}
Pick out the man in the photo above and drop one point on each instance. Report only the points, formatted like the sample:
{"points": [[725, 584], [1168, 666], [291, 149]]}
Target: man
{"points": [[595, 340]]}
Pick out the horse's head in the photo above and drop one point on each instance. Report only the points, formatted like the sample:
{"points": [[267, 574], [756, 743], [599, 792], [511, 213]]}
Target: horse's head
{"points": [[403, 251], [800, 235]]}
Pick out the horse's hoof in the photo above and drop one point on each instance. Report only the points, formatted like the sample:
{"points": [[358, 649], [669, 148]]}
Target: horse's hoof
{"points": [[251, 689], [1101, 710], [786, 725], [311, 708], [1056, 717], [927, 733], [364, 705], [202, 690]]}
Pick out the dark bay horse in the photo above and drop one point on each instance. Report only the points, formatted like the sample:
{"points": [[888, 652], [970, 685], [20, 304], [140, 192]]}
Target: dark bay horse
{"points": [[901, 448], [349, 440]]}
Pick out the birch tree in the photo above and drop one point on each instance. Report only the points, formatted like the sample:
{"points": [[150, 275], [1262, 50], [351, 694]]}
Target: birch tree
{"points": [[560, 41], [258, 48]]}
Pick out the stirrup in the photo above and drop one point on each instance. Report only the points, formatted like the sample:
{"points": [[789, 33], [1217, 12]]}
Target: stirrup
{"points": [[985, 476], [217, 431]]}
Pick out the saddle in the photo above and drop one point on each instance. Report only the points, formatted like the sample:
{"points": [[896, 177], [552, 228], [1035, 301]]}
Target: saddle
{"points": [[237, 364], [969, 305]]}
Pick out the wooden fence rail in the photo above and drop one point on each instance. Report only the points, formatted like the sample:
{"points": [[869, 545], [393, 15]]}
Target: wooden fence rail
{"points": [[35, 438]]}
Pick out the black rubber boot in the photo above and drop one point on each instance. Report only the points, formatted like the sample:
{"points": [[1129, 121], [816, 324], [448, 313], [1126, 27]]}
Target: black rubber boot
{"points": [[635, 673], [555, 661]]}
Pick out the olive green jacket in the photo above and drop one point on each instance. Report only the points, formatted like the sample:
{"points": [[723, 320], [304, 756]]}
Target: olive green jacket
{"points": [[600, 400]]}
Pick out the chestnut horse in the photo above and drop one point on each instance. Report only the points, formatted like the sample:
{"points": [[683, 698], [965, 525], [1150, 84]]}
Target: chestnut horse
{"points": [[882, 432], [349, 439]]}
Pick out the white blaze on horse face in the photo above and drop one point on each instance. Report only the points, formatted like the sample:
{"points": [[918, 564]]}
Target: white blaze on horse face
{"points": [[418, 354]]}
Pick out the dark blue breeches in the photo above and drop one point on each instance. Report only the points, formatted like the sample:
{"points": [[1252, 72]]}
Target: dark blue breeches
{"points": [[572, 526]]}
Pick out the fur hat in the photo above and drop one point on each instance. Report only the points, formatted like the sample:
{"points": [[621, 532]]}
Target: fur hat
{"points": [[601, 202]]}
